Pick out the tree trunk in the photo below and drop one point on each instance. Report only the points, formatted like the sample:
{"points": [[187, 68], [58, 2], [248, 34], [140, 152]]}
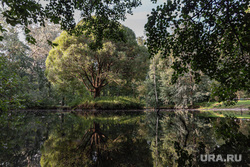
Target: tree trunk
{"points": [[155, 86], [97, 92]]}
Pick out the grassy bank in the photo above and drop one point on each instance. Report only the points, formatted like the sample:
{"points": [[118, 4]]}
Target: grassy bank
{"points": [[109, 103], [241, 104]]}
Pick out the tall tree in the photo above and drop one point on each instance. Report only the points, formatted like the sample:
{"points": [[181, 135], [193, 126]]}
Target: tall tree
{"points": [[40, 50], [211, 36], [74, 60], [181, 94]]}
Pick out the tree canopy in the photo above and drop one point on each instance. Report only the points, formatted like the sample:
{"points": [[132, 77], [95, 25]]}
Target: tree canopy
{"points": [[107, 12], [208, 36]]}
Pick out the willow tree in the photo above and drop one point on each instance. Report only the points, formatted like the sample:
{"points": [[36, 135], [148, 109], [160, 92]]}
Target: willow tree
{"points": [[74, 60]]}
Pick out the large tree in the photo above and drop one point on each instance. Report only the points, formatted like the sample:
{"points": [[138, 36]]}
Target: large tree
{"points": [[211, 36], [73, 60]]}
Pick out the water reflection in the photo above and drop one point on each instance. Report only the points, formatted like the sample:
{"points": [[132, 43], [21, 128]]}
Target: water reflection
{"points": [[124, 139], [185, 136], [97, 141], [21, 137]]}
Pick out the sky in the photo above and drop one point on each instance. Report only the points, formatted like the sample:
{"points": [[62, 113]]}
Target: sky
{"points": [[139, 18]]}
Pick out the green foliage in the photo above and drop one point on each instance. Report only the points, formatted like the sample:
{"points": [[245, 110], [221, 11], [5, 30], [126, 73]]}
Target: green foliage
{"points": [[8, 86], [33, 90], [183, 93], [26, 65], [207, 36], [150, 94]]}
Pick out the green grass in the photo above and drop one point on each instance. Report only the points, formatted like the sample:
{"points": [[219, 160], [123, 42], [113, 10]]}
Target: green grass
{"points": [[109, 103], [217, 105]]}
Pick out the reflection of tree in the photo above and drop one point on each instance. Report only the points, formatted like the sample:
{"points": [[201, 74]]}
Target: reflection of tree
{"points": [[21, 137], [179, 135], [96, 140], [184, 137], [103, 143], [154, 132], [95, 136], [234, 142]]}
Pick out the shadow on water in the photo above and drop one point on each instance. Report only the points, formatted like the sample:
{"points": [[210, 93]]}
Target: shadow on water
{"points": [[116, 138]]}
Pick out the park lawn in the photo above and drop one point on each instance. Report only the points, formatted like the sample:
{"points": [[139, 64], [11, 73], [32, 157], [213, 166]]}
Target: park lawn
{"points": [[216, 105], [241, 104]]}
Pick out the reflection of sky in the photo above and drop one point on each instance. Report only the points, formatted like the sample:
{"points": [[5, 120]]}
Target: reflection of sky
{"points": [[139, 18]]}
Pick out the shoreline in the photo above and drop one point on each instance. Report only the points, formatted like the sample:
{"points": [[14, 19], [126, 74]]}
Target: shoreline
{"points": [[144, 109]]}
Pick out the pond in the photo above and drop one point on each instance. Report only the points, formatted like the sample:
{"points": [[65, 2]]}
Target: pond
{"points": [[124, 138]]}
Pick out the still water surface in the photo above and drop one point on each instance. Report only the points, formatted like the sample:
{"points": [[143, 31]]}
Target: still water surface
{"points": [[58, 139]]}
